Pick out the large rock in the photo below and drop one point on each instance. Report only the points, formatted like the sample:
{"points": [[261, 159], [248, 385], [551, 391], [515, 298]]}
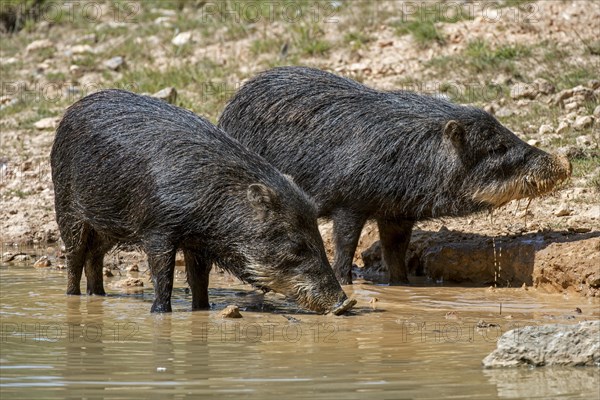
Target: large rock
{"points": [[570, 345]]}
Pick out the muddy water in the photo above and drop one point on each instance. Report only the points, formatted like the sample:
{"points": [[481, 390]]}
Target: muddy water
{"points": [[405, 345]]}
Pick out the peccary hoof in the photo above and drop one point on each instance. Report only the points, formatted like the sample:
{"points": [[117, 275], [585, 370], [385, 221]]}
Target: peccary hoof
{"points": [[161, 308], [345, 306]]}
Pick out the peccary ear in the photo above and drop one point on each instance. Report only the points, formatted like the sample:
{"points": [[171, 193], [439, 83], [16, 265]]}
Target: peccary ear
{"points": [[454, 131], [262, 198]]}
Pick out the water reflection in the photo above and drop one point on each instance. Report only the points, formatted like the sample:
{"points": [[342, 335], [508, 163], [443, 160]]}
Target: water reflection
{"points": [[405, 345]]}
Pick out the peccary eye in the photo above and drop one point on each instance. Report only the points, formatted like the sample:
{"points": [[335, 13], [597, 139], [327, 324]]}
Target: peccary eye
{"points": [[498, 151]]}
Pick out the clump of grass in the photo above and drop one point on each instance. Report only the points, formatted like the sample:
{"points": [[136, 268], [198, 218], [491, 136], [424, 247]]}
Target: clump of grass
{"points": [[265, 45], [310, 42], [357, 39], [424, 32], [480, 58]]}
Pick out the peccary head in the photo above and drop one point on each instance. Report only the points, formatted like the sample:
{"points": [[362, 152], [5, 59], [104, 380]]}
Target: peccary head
{"points": [[490, 165], [287, 254]]}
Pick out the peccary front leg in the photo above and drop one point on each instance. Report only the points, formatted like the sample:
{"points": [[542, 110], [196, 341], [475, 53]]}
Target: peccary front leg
{"points": [[347, 226], [197, 268], [395, 236], [161, 259]]}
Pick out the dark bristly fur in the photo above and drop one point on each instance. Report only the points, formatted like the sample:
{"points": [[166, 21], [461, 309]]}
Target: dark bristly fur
{"points": [[397, 157], [130, 169]]}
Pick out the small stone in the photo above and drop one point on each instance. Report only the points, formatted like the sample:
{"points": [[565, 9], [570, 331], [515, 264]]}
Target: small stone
{"points": [[504, 112], [523, 91], [107, 272], [46, 123], [43, 262], [82, 49], [594, 84], [534, 142], [583, 140], [231, 312], [563, 211], [130, 282], [75, 70], [451, 315], [543, 86], [563, 127], [114, 63], [524, 287], [373, 300], [572, 106], [167, 94], [579, 229], [38, 45], [21, 257], [562, 96], [182, 38], [597, 112], [583, 122], [483, 325], [544, 129], [134, 268], [571, 152]]}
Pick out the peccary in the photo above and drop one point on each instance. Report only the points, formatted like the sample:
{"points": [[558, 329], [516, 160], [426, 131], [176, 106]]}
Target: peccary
{"points": [[394, 156], [130, 169]]}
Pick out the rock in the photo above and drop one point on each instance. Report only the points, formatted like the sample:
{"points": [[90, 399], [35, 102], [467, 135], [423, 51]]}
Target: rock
{"points": [[504, 112], [562, 96], [543, 86], [231, 312], [81, 49], [544, 129], [579, 229], [597, 112], [594, 84], [46, 123], [43, 262], [523, 91], [38, 45], [21, 257], [563, 127], [134, 268], [534, 142], [114, 63], [107, 272], [583, 140], [563, 211], [567, 345], [167, 94], [583, 122], [182, 38], [130, 282], [571, 152]]}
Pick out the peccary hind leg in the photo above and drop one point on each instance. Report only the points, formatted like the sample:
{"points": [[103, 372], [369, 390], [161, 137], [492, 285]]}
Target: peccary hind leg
{"points": [[395, 236], [197, 268], [97, 248], [161, 259]]}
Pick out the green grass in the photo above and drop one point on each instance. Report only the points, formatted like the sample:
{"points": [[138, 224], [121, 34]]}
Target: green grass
{"points": [[422, 26], [308, 40], [480, 58], [357, 39], [424, 32], [583, 167], [266, 45]]}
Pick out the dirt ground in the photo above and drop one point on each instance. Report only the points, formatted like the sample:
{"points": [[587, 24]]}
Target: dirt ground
{"points": [[533, 64]]}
